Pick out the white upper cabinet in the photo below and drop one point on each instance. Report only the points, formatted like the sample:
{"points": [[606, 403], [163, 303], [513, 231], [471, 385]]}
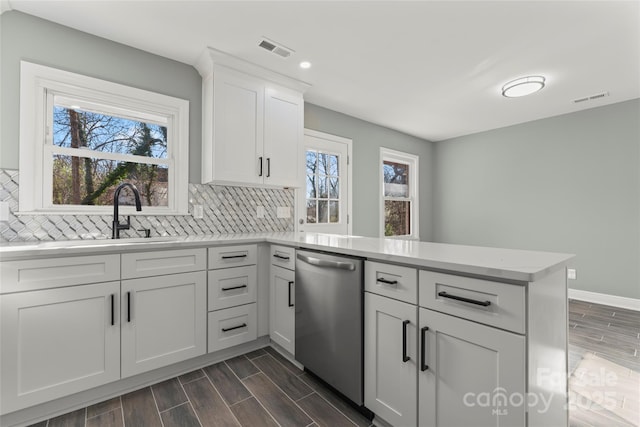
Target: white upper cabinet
{"points": [[252, 123]]}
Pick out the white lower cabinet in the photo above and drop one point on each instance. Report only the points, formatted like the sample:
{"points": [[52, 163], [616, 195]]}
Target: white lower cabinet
{"points": [[57, 342], [390, 363], [282, 308], [163, 320], [470, 374]]}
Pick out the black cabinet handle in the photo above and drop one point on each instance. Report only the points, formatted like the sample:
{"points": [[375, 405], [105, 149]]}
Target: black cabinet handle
{"points": [[463, 299], [113, 310], [268, 167], [290, 304], [286, 258], [386, 282], [233, 287], [405, 358], [128, 306], [423, 355], [234, 327], [260, 174], [233, 256]]}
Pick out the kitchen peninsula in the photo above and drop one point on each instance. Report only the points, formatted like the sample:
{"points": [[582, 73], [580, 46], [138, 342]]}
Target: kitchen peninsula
{"points": [[467, 323]]}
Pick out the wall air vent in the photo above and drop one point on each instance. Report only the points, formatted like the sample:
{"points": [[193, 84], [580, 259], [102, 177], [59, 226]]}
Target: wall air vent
{"points": [[275, 48], [591, 98]]}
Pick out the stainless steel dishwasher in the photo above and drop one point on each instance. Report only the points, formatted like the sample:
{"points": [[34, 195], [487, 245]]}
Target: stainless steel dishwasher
{"points": [[329, 320]]}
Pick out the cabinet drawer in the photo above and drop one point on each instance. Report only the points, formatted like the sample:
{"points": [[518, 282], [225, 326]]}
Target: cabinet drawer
{"points": [[283, 256], [145, 264], [232, 256], [230, 287], [392, 281], [19, 276], [493, 303], [232, 326]]}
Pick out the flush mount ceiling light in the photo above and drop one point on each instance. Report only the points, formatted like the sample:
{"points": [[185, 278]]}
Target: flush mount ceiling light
{"points": [[523, 86]]}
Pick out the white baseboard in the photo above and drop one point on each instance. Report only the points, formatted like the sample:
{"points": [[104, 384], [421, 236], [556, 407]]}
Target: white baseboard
{"points": [[614, 300]]}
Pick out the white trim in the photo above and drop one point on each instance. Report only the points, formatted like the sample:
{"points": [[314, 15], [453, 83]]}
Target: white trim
{"points": [[38, 84], [413, 161], [302, 173], [605, 299]]}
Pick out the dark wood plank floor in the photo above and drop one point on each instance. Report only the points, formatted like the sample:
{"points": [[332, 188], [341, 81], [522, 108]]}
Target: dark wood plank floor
{"points": [[262, 388]]}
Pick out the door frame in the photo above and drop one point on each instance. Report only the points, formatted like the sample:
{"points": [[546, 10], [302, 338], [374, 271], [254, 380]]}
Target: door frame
{"points": [[302, 173]]}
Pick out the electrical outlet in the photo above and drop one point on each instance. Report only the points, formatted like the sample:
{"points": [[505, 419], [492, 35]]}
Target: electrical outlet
{"points": [[571, 274], [198, 211], [260, 212], [4, 211], [284, 212]]}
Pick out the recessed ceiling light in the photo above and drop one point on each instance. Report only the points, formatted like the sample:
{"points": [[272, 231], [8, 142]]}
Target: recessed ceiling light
{"points": [[523, 86], [305, 64]]}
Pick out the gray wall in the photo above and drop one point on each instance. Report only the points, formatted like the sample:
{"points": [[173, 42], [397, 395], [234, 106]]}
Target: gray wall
{"points": [[25, 37], [569, 183], [367, 140]]}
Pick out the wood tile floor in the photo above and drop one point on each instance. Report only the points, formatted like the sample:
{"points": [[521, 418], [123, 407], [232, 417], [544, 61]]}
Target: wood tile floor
{"points": [[262, 388], [257, 389], [604, 363]]}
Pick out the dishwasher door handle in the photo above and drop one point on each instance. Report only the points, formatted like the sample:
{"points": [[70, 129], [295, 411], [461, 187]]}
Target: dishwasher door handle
{"points": [[326, 263]]}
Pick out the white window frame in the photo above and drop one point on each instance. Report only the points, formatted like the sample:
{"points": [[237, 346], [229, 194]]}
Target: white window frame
{"points": [[412, 160], [39, 83]]}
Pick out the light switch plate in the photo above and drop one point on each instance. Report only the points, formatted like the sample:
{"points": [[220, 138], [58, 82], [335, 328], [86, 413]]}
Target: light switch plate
{"points": [[260, 212], [198, 211], [284, 212], [571, 274]]}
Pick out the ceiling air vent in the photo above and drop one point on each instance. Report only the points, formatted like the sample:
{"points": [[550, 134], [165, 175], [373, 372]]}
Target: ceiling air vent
{"points": [[274, 47], [591, 98]]}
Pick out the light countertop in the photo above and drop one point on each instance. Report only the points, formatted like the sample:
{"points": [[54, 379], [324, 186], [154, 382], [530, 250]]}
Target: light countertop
{"points": [[506, 264]]}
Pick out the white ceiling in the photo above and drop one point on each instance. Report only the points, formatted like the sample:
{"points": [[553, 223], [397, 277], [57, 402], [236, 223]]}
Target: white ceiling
{"points": [[433, 69]]}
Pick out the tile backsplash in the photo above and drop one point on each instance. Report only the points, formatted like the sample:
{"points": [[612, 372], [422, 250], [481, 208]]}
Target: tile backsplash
{"points": [[226, 210]]}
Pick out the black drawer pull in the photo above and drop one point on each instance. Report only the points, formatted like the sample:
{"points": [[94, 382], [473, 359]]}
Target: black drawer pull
{"points": [[423, 352], [233, 256], [463, 299], [268, 167], [386, 282], [290, 304], [286, 258], [234, 327], [233, 287], [128, 306], [113, 309], [260, 174], [405, 358]]}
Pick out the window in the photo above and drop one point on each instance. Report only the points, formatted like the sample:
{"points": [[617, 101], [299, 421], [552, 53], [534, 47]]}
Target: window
{"points": [[323, 188], [399, 206], [80, 137]]}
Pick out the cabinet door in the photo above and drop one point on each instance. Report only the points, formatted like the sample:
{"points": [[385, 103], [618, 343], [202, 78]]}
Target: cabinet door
{"points": [[238, 129], [282, 308], [390, 364], [58, 342], [474, 374], [283, 132], [163, 320]]}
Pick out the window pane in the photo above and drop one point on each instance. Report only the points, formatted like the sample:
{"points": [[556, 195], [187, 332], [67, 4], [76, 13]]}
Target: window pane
{"points": [[333, 165], [323, 211], [323, 163], [396, 179], [397, 218], [312, 215], [312, 162], [91, 181], [334, 211], [322, 187], [311, 186], [334, 189], [75, 128]]}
